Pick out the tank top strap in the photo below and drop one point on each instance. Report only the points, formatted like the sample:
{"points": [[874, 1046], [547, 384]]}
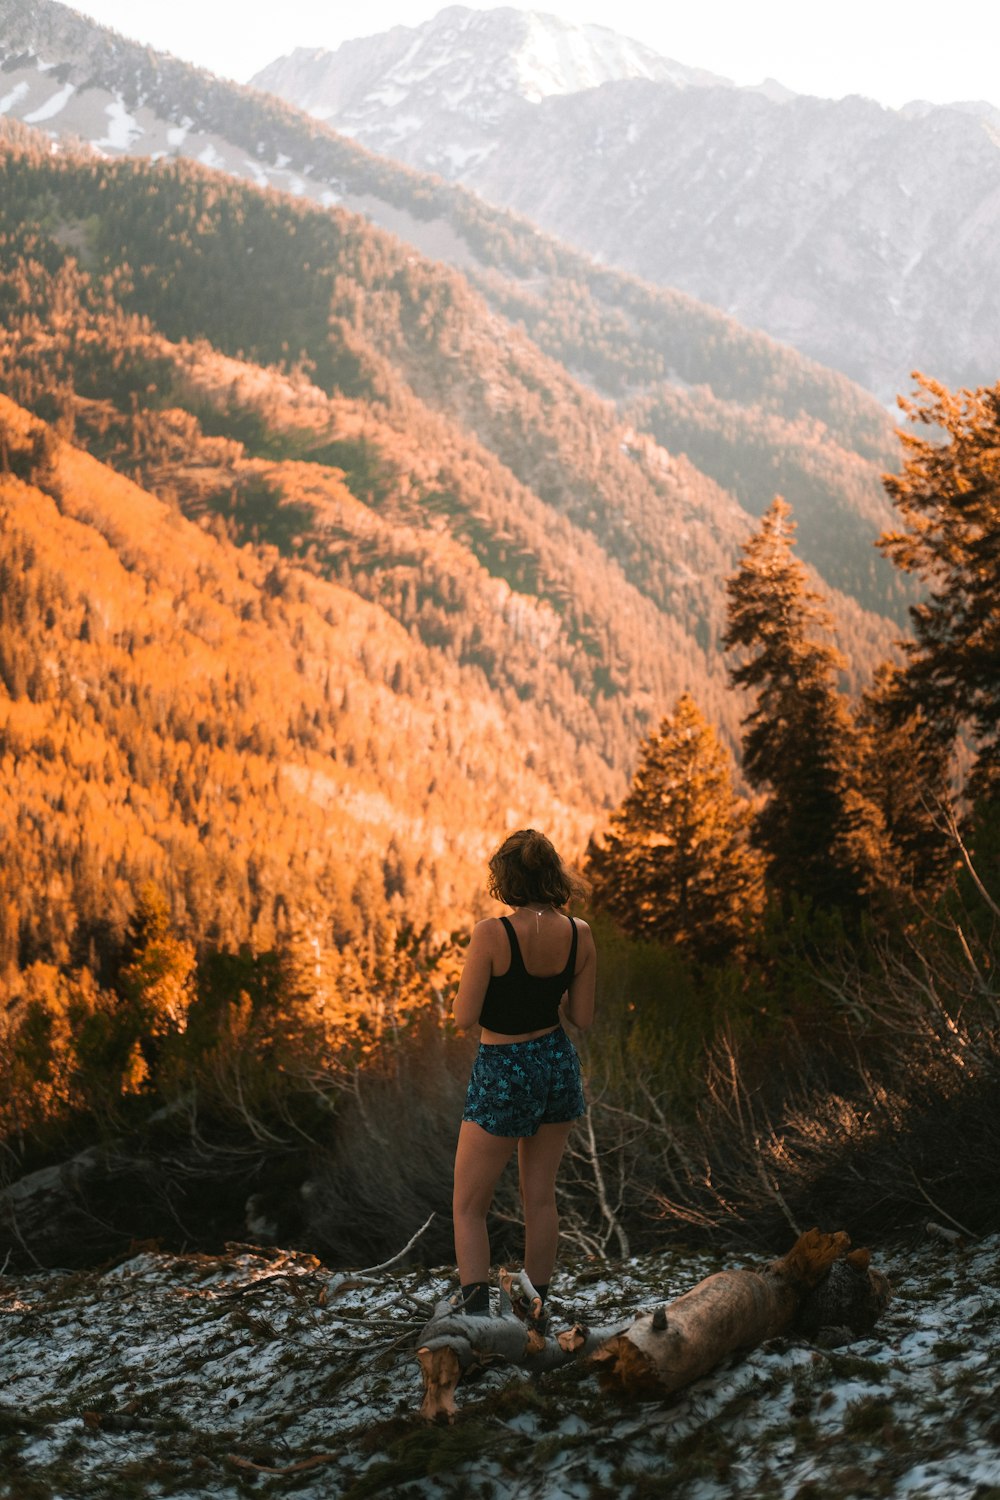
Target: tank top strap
{"points": [[570, 969], [516, 961]]}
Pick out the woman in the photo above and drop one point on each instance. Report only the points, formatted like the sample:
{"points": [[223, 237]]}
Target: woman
{"points": [[523, 974]]}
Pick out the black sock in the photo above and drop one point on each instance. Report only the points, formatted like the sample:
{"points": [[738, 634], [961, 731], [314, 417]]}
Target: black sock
{"points": [[543, 1290], [476, 1298]]}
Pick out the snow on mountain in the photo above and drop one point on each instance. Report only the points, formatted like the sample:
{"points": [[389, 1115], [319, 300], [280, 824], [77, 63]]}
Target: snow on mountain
{"points": [[454, 79], [463, 54], [865, 237]]}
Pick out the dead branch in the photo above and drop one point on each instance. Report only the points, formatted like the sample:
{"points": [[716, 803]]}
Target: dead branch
{"points": [[296, 1468], [937, 1207], [385, 1264], [942, 1232], [593, 1158]]}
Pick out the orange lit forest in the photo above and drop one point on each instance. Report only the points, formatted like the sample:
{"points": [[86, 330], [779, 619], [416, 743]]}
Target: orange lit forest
{"points": [[321, 567]]}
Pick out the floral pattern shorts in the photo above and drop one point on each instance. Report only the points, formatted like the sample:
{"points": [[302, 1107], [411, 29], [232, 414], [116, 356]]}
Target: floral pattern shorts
{"points": [[517, 1086]]}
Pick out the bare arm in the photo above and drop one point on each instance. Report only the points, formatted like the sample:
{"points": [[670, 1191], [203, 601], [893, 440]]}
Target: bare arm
{"points": [[475, 976], [578, 1005]]}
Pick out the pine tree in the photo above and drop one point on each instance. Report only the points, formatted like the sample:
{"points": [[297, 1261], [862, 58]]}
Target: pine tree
{"points": [[948, 496], [157, 980], [675, 865], [907, 774], [818, 832]]}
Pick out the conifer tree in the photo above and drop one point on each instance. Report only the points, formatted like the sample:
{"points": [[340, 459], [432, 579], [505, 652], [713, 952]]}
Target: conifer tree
{"points": [[948, 497], [675, 865], [818, 832], [157, 980], [907, 775]]}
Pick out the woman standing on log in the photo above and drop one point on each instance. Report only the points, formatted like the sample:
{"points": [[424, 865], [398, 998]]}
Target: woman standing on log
{"points": [[523, 974]]}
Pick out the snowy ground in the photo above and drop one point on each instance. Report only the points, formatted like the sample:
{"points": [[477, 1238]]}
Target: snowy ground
{"points": [[175, 1375]]}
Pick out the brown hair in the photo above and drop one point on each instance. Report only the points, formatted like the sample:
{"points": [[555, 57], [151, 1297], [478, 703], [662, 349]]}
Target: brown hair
{"points": [[526, 869]]}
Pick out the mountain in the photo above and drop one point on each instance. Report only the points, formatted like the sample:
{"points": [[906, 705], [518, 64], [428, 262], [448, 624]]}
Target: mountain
{"points": [[324, 562], [863, 236], [463, 75], [755, 416], [299, 540], [178, 708]]}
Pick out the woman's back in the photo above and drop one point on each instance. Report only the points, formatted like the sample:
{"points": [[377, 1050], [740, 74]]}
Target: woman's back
{"points": [[531, 971], [544, 940]]}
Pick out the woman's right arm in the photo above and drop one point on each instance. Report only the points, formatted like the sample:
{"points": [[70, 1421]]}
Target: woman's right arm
{"points": [[475, 977], [578, 1005]]}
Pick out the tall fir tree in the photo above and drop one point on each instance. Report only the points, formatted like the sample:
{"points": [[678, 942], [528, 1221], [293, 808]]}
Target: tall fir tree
{"points": [[817, 830], [948, 497], [907, 768], [675, 865]]}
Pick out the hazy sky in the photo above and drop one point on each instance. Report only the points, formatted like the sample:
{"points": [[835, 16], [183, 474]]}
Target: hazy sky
{"points": [[890, 50]]}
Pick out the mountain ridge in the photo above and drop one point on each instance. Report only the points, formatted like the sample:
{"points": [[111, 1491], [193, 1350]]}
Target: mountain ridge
{"points": [[513, 557], [639, 340], [841, 227]]}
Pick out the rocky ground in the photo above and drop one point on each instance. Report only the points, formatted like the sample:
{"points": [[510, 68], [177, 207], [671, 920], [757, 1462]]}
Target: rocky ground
{"points": [[260, 1372]]}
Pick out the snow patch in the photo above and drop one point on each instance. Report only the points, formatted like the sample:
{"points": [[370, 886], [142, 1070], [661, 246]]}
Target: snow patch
{"points": [[123, 128], [459, 157], [52, 106], [9, 100]]}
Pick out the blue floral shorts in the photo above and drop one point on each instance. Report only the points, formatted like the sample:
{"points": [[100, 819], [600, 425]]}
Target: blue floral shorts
{"points": [[517, 1086]]}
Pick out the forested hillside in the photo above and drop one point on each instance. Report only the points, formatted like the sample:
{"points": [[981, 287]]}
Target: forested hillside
{"points": [[264, 745], [496, 625], [413, 348], [319, 570], [694, 375]]}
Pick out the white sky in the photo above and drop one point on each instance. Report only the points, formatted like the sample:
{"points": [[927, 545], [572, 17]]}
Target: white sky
{"points": [[891, 50]]}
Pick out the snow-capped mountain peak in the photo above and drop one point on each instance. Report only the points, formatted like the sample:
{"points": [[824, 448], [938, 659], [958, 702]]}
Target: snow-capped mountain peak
{"points": [[471, 64]]}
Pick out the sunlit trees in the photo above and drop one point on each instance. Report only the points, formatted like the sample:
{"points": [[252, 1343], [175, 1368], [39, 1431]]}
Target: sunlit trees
{"points": [[948, 497], [156, 981], [907, 775], [675, 866], [817, 829]]}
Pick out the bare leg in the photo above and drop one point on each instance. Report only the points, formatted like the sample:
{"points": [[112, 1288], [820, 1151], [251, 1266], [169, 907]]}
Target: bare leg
{"points": [[479, 1160], [538, 1158]]}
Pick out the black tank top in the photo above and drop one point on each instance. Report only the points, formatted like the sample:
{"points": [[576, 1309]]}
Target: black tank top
{"points": [[518, 1001]]}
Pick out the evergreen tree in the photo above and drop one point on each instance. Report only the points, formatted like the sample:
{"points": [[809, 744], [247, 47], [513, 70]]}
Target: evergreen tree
{"points": [[906, 772], [818, 832], [675, 865], [948, 496], [157, 980]]}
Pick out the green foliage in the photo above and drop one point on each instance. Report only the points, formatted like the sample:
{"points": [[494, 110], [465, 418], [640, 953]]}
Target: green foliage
{"points": [[818, 831], [948, 498], [675, 865], [657, 1013], [907, 774]]}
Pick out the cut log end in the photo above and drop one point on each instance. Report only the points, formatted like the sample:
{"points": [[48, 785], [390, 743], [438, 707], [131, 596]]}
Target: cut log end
{"points": [[525, 1304], [627, 1368], [812, 1255], [441, 1369], [572, 1339]]}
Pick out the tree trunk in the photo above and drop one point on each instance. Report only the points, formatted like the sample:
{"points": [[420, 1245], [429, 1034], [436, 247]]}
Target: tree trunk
{"points": [[663, 1350]]}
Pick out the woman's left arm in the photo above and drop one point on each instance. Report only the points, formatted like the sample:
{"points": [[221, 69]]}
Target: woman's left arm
{"points": [[475, 976]]}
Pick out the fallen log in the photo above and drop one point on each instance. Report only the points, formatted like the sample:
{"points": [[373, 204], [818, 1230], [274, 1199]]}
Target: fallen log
{"points": [[662, 1350]]}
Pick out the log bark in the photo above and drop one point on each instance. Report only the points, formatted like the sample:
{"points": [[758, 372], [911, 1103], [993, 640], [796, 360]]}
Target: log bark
{"points": [[676, 1344], [665, 1349]]}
